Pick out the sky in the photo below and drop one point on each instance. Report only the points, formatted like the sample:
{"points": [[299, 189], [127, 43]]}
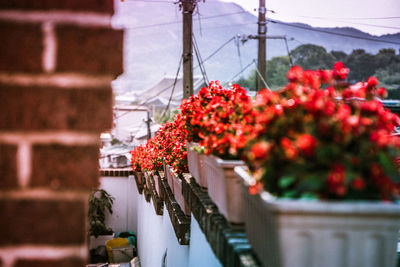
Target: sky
{"points": [[372, 16]]}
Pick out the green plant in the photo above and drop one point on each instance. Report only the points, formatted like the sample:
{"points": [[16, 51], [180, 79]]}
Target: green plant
{"points": [[99, 202], [324, 143]]}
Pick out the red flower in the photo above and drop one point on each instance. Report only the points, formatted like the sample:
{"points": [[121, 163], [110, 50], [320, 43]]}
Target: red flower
{"points": [[372, 81], [358, 183], [260, 150], [222, 119], [345, 122], [289, 149], [306, 143], [382, 93], [336, 180], [340, 71], [295, 74]]}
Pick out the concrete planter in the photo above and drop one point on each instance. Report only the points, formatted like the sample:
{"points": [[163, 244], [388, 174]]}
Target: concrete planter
{"points": [[224, 187], [196, 164], [303, 233]]}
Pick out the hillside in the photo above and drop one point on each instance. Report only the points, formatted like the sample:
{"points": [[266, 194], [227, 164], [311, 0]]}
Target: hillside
{"points": [[153, 40]]}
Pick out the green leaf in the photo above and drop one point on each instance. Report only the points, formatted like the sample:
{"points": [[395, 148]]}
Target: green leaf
{"points": [[388, 165], [286, 181], [309, 196], [289, 194], [350, 175], [312, 182]]}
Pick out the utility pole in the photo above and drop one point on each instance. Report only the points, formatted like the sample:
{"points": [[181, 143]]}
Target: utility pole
{"points": [[148, 121], [187, 10], [262, 31]]}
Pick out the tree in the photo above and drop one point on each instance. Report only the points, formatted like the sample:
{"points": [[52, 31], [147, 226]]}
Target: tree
{"points": [[311, 56], [361, 64], [386, 57], [248, 83], [277, 68], [338, 55]]}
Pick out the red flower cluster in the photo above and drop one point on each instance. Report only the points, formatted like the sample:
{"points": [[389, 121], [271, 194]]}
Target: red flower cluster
{"points": [[321, 137], [219, 119], [168, 146], [172, 140], [138, 158]]}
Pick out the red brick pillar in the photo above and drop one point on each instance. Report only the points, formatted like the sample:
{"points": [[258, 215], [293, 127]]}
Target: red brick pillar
{"points": [[57, 59]]}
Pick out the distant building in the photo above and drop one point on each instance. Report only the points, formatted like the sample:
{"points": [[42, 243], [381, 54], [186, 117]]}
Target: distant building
{"points": [[116, 156], [157, 97], [128, 119]]}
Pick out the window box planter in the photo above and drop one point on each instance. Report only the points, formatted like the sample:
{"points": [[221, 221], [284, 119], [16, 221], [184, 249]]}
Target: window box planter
{"points": [[177, 190], [152, 187], [224, 187], [139, 179], [156, 180], [196, 164], [168, 177], [299, 233]]}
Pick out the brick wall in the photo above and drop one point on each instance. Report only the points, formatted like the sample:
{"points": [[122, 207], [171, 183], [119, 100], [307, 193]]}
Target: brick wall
{"points": [[57, 59]]}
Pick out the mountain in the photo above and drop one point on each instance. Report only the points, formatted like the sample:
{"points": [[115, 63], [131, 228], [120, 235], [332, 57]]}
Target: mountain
{"points": [[153, 42]]}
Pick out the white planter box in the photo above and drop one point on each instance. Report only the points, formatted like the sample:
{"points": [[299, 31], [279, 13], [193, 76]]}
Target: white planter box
{"points": [[302, 234], [177, 185], [196, 164], [168, 177], [147, 178], [156, 184], [224, 187]]}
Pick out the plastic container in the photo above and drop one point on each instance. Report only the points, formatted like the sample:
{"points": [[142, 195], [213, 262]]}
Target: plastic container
{"points": [[123, 254], [115, 243]]}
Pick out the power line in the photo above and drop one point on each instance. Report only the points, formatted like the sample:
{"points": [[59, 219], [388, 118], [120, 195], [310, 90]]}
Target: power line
{"points": [[356, 23], [179, 21], [230, 25], [215, 52], [151, 1], [288, 51], [237, 42], [199, 60], [241, 71], [261, 77], [334, 33], [142, 104], [173, 88], [348, 18]]}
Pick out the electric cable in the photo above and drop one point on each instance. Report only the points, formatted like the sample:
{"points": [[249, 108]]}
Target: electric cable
{"points": [[333, 33], [173, 88], [180, 21], [356, 23], [199, 60], [288, 52], [238, 50], [215, 52], [259, 74], [241, 71]]}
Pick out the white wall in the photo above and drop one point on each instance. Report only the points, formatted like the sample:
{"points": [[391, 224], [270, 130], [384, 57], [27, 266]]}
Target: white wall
{"points": [[200, 252], [124, 217], [155, 233]]}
